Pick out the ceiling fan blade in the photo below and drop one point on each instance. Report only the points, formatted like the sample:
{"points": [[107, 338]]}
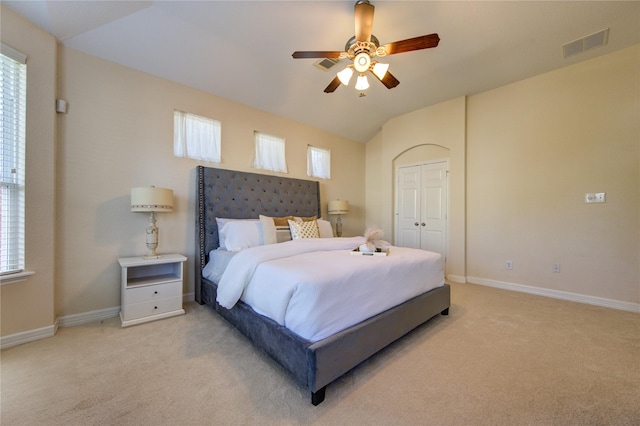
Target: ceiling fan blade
{"points": [[388, 80], [364, 20], [335, 83], [410, 44], [319, 54]]}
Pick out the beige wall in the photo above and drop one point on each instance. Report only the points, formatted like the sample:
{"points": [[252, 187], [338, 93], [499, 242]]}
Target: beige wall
{"points": [[29, 304], [521, 158], [118, 133], [422, 134], [534, 148]]}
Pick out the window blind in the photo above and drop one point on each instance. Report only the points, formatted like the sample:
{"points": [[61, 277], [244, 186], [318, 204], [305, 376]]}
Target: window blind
{"points": [[13, 91]]}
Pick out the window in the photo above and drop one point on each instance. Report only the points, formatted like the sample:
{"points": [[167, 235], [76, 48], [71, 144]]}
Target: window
{"points": [[13, 77], [196, 137], [318, 162], [269, 153]]}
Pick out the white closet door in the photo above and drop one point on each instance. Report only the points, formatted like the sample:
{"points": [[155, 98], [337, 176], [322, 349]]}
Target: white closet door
{"points": [[433, 217], [421, 216], [409, 183]]}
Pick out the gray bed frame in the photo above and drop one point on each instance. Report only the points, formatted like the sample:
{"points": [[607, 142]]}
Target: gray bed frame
{"points": [[243, 195]]}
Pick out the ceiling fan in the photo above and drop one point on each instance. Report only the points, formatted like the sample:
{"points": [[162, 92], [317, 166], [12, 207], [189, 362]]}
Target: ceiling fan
{"points": [[364, 47]]}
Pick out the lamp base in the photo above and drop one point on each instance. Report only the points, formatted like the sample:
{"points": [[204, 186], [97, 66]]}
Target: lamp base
{"points": [[339, 227], [152, 238]]}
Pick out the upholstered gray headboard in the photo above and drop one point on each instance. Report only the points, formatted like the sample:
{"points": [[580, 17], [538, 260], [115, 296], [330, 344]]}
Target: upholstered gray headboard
{"points": [[243, 195]]}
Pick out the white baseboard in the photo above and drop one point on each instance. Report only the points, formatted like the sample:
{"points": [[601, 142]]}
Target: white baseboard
{"points": [[456, 279], [87, 317], [68, 321], [558, 294], [27, 336]]}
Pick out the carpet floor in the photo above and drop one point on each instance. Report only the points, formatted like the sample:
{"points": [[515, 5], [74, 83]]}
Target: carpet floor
{"points": [[499, 358]]}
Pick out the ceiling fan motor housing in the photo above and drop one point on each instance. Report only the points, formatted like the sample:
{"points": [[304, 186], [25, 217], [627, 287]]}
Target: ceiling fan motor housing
{"points": [[353, 46]]}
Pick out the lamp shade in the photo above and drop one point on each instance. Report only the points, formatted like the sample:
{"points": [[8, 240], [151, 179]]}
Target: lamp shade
{"points": [[338, 207], [345, 75], [362, 83], [151, 199]]}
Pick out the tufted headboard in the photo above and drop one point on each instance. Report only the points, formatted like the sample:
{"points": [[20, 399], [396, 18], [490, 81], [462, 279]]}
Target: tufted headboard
{"points": [[243, 195]]}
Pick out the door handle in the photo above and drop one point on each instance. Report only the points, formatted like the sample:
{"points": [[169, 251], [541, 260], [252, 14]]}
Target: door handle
{"points": [[423, 224], [416, 224]]}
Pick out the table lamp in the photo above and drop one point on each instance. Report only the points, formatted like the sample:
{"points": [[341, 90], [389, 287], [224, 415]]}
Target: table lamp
{"points": [[151, 200], [338, 207]]}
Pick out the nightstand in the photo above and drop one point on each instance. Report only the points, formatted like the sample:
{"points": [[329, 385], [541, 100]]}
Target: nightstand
{"points": [[151, 288]]}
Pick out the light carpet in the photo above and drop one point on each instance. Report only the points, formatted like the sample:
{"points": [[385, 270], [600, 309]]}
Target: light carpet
{"points": [[499, 358]]}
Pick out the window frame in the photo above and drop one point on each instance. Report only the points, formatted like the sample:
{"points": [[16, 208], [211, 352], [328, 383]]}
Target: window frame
{"points": [[192, 135], [13, 165], [314, 156], [269, 152]]}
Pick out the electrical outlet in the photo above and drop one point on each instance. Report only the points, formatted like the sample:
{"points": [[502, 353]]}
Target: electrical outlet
{"points": [[508, 264], [556, 267], [591, 197]]}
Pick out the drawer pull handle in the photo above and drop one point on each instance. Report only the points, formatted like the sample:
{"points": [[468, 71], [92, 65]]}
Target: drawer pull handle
{"points": [[155, 292], [155, 307]]}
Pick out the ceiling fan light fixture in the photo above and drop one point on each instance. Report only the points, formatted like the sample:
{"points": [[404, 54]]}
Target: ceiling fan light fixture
{"points": [[362, 62], [380, 70], [345, 75], [362, 83]]}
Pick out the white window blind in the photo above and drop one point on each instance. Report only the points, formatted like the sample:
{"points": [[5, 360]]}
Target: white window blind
{"points": [[318, 162], [196, 137], [269, 153], [13, 76]]}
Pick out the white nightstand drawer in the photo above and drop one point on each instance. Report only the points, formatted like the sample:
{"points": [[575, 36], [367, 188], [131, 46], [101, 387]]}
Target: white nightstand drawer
{"points": [[152, 292], [152, 307], [151, 288]]}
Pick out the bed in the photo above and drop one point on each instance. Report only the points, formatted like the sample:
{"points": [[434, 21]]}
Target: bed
{"points": [[313, 364]]}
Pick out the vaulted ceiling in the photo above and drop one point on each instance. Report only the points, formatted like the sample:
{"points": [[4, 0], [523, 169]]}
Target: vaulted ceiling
{"points": [[241, 50]]}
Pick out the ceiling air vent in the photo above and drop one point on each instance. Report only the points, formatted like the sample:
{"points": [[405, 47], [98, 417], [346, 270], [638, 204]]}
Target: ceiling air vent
{"points": [[586, 43], [326, 63]]}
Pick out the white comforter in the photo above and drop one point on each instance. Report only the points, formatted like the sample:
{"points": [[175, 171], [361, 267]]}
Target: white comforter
{"points": [[316, 288]]}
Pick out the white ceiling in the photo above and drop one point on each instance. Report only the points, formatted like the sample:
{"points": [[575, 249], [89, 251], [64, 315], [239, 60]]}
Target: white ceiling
{"points": [[241, 50]]}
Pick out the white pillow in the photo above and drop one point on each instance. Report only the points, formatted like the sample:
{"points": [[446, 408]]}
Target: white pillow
{"points": [[324, 229], [273, 233], [221, 222], [268, 230], [238, 234], [301, 230]]}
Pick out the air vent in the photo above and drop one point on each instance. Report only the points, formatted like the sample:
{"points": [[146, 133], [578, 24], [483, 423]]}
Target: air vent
{"points": [[326, 63], [586, 43]]}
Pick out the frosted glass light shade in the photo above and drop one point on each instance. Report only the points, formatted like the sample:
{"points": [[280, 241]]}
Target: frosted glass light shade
{"points": [[380, 70], [345, 75], [151, 199], [362, 61], [362, 83]]}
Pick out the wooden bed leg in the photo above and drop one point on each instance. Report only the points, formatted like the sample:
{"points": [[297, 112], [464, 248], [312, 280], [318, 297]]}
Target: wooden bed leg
{"points": [[445, 312], [318, 397]]}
